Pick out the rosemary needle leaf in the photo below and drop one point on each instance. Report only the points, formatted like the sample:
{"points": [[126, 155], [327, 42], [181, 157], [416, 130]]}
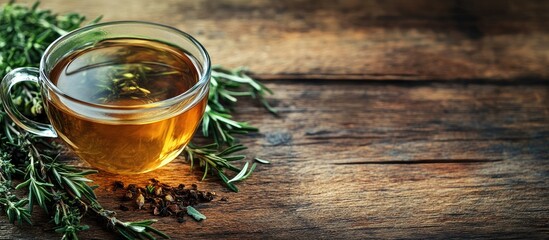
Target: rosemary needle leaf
{"points": [[240, 174], [124, 233], [72, 186], [235, 158], [195, 214], [232, 149], [147, 235], [205, 171], [137, 228], [263, 161], [23, 184], [159, 233], [252, 168], [224, 178]]}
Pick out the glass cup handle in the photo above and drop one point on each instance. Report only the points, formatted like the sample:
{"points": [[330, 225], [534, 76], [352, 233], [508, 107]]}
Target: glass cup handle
{"points": [[13, 77]]}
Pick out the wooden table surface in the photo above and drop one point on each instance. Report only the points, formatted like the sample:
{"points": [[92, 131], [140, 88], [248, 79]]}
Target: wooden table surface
{"points": [[399, 119]]}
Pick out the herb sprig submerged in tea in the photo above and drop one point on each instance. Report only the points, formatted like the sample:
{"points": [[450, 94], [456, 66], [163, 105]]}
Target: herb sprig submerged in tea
{"points": [[125, 71]]}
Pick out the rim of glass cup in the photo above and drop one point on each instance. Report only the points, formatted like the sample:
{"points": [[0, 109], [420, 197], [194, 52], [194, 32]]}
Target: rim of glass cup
{"points": [[195, 89]]}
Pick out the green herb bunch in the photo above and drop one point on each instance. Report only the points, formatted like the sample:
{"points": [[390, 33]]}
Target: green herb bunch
{"points": [[59, 189], [26, 33]]}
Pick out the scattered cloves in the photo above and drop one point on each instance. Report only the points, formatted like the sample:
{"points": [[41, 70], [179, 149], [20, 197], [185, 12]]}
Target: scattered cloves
{"points": [[164, 199]]}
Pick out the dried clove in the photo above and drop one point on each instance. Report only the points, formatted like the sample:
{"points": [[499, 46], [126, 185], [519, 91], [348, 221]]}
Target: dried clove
{"points": [[158, 191], [118, 185], [140, 201]]}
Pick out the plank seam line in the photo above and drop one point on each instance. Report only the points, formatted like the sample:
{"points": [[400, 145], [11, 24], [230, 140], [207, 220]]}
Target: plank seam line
{"points": [[422, 161]]}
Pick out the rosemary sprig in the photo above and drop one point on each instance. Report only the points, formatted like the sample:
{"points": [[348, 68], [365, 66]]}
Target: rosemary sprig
{"points": [[218, 124], [216, 161], [226, 85], [15, 208], [62, 186], [128, 230]]}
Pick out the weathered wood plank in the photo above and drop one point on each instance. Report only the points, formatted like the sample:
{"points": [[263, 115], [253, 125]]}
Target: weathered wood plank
{"points": [[354, 160], [388, 159], [354, 39]]}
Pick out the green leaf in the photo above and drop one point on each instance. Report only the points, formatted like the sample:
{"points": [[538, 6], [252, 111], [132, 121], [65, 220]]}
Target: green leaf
{"points": [[232, 149], [195, 214], [137, 228], [21, 203], [224, 178], [263, 161], [56, 176], [235, 158], [240, 174], [125, 234], [148, 236], [23, 184], [38, 194], [249, 172], [159, 233], [57, 215], [72, 186]]}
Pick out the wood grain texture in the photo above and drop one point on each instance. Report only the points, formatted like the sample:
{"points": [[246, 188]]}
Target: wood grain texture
{"points": [[450, 142], [355, 160], [355, 39]]}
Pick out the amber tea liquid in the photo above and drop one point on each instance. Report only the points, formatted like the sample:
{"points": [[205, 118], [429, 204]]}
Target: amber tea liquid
{"points": [[125, 73]]}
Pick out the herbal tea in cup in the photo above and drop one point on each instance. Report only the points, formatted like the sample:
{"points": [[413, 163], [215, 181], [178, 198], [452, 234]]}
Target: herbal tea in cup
{"points": [[125, 96]]}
